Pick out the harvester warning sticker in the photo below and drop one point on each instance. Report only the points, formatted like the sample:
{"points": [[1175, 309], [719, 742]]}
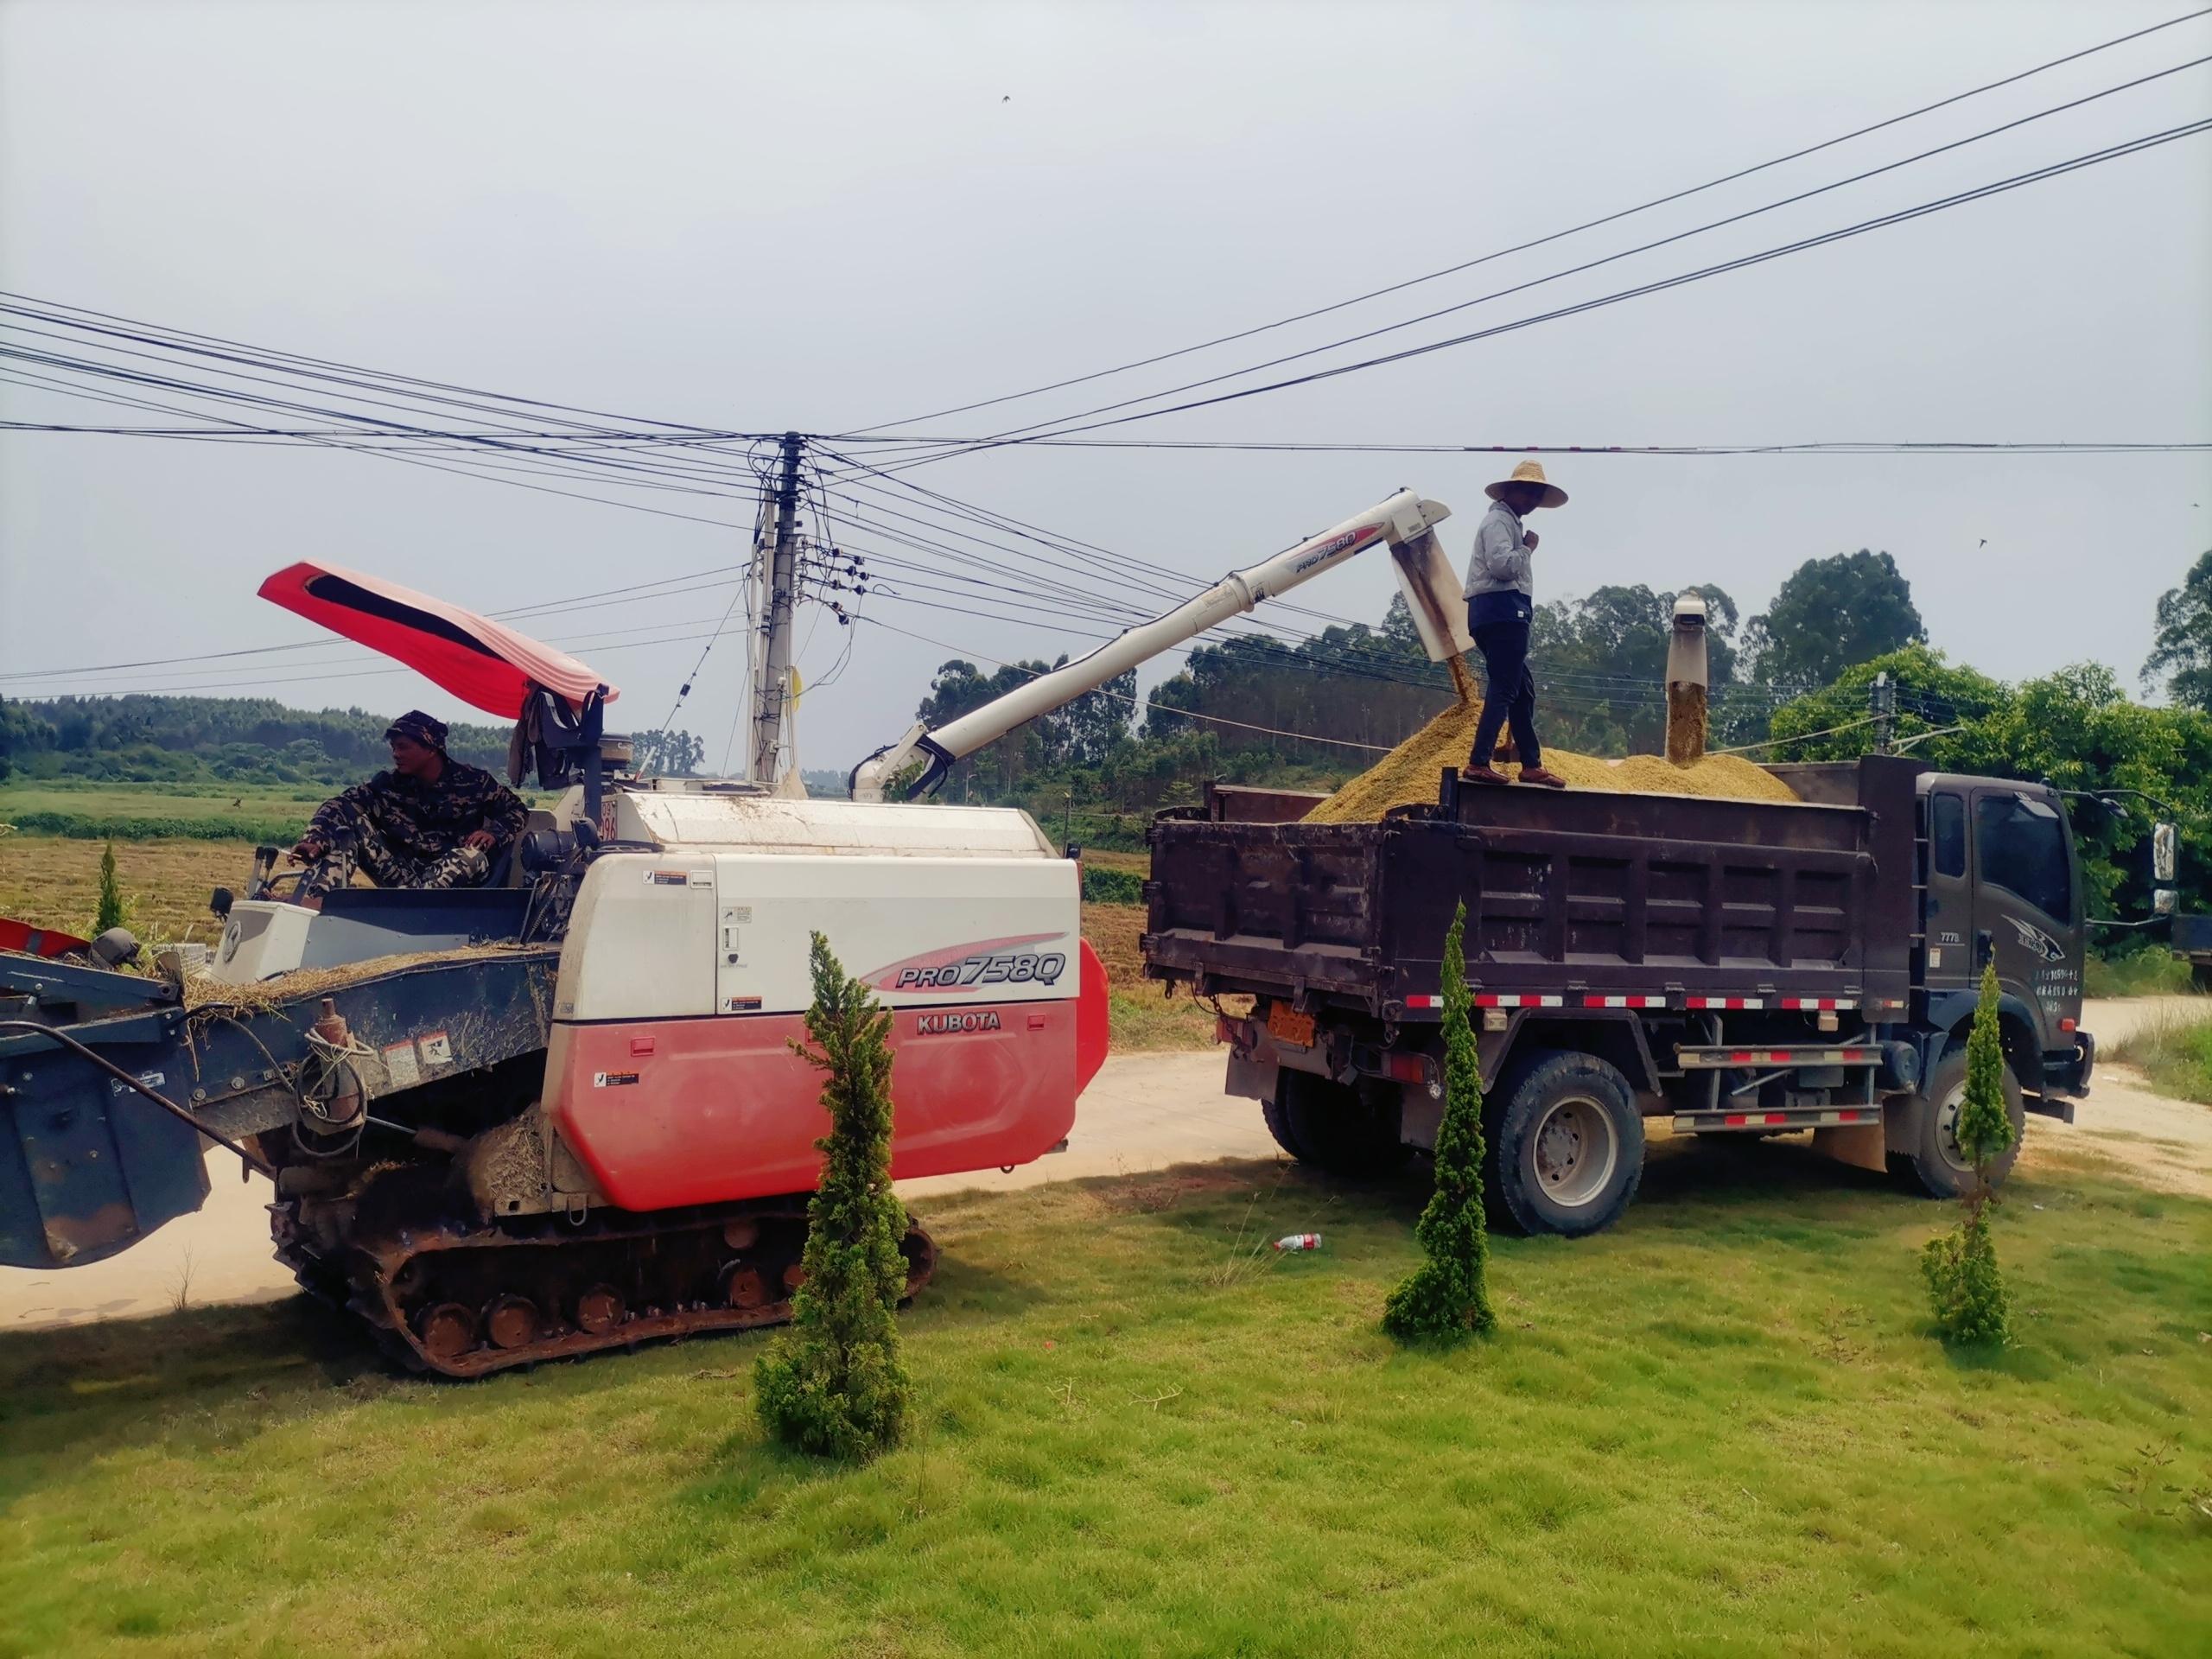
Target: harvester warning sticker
{"points": [[437, 1049], [666, 879], [399, 1064], [741, 1005], [613, 1079]]}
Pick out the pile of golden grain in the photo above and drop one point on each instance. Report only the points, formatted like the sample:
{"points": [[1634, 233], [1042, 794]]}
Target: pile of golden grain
{"points": [[1407, 775]]}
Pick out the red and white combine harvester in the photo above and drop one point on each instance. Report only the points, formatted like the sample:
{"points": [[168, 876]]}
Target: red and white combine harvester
{"points": [[561, 1112]]}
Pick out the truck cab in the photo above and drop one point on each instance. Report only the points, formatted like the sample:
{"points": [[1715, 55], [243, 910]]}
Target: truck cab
{"points": [[2002, 881]]}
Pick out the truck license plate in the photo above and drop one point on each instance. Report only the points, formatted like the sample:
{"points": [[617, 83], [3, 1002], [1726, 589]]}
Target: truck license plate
{"points": [[1290, 1026]]}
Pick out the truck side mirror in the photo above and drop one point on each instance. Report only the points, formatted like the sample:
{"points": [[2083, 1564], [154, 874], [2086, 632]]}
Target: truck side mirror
{"points": [[2163, 901], [2164, 854]]}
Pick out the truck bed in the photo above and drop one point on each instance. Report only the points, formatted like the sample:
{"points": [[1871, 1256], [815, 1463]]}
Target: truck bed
{"points": [[1581, 896]]}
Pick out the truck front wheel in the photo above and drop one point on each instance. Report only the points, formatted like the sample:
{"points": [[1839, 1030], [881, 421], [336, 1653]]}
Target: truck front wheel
{"points": [[1934, 1161], [1566, 1145]]}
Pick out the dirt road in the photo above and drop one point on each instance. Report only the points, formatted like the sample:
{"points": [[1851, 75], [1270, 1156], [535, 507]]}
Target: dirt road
{"points": [[1144, 1111]]}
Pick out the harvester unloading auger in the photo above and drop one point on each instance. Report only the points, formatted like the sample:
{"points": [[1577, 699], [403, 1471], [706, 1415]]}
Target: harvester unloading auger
{"points": [[561, 1113]]}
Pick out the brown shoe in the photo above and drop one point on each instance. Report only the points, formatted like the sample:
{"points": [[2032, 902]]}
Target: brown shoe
{"points": [[1482, 775], [1539, 776]]}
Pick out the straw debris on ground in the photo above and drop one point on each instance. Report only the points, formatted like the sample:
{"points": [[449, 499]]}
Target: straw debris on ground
{"points": [[1407, 775]]}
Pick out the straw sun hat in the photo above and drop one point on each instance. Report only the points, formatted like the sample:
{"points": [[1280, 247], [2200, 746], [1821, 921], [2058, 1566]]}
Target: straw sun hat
{"points": [[1530, 471]]}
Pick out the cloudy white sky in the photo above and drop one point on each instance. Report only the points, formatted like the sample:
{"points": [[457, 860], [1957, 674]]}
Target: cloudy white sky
{"points": [[828, 216]]}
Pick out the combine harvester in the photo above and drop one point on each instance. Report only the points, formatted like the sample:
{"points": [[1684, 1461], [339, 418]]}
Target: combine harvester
{"points": [[560, 1113]]}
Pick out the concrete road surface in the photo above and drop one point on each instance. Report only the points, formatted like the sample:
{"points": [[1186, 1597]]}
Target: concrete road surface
{"points": [[1142, 1112]]}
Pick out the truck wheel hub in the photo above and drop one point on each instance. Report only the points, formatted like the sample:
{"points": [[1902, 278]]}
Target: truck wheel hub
{"points": [[1575, 1151]]}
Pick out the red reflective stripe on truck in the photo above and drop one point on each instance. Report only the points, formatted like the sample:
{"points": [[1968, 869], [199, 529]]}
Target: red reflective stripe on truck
{"points": [[1723, 1002], [1634, 1000], [1428, 1001]]}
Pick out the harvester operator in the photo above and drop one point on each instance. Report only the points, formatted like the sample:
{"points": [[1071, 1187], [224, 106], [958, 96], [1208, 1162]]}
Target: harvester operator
{"points": [[1500, 609], [431, 822]]}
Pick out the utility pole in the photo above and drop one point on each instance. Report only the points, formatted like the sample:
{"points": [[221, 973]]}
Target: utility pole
{"points": [[771, 681], [1882, 700]]}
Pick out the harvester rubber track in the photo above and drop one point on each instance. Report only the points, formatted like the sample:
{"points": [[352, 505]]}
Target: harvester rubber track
{"points": [[465, 1299]]}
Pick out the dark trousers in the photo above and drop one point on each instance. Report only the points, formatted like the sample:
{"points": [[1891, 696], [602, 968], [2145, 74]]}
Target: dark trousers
{"points": [[1509, 694]]}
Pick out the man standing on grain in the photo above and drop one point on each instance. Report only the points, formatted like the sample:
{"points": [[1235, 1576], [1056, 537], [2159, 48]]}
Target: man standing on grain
{"points": [[1500, 608]]}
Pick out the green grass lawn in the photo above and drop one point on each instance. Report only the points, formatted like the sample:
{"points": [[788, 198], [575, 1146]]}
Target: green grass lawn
{"points": [[1721, 1427], [2175, 1051]]}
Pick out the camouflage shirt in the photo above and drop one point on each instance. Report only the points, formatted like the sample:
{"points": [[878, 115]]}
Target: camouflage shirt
{"points": [[418, 820]]}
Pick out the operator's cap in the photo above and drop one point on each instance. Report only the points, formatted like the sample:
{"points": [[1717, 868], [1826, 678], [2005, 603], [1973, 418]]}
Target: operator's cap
{"points": [[419, 728]]}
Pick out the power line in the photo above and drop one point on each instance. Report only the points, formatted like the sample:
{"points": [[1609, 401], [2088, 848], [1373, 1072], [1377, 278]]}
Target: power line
{"points": [[1660, 242], [2131, 147], [298, 437], [674, 428], [1831, 446], [1143, 702], [1588, 225]]}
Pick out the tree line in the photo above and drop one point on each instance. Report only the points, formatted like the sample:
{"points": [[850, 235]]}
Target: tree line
{"points": [[147, 739]]}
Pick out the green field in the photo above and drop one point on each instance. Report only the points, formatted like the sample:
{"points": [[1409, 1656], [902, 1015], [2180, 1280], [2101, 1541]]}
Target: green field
{"points": [[1721, 1427], [152, 811]]}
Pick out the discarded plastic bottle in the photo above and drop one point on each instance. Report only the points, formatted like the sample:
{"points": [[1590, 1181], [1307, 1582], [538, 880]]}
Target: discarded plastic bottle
{"points": [[1299, 1241]]}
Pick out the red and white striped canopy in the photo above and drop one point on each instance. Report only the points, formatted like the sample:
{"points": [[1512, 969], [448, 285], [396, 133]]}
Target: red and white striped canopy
{"points": [[484, 664]]}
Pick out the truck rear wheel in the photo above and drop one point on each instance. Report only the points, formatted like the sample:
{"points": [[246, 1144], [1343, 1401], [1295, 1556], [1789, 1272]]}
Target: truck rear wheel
{"points": [[1278, 1122], [1566, 1145], [1935, 1162], [1345, 1128]]}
